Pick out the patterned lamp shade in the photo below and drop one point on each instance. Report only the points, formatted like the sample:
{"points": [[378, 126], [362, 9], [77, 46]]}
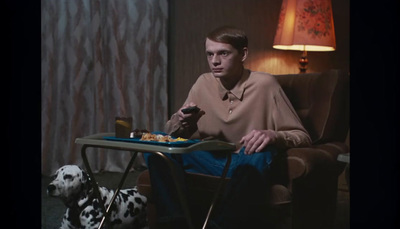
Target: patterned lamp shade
{"points": [[305, 25]]}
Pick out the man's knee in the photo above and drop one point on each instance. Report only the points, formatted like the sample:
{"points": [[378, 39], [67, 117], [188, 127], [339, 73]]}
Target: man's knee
{"points": [[247, 182]]}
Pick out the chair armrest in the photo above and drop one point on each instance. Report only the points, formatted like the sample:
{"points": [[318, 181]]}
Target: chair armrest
{"points": [[303, 161]]}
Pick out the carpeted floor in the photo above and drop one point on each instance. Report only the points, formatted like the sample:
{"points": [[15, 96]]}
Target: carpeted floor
{"points": [[53, 209]]}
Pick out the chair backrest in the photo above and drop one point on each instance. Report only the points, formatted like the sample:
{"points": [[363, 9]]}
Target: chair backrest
{"points": [[322, 102]]}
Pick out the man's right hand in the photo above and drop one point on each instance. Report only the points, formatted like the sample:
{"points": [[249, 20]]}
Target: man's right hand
{"points": [[190, 119]]}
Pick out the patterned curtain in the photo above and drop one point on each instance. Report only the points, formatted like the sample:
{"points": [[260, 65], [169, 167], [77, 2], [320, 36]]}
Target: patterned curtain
{"points": [[100, 59]]}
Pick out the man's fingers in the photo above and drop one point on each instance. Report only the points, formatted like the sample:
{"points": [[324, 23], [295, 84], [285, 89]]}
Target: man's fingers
{"points": [[250, 145], [256, 144], [262, 146]]}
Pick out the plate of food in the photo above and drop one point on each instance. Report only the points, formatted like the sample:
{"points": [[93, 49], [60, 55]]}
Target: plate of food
{"points": [[157, 138]]}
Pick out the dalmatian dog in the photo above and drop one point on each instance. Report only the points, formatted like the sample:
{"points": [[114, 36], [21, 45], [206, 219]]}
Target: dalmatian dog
{"points": [[72, 185]]}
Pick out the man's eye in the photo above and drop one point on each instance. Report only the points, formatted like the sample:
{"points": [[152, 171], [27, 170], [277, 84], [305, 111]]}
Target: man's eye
{"points": [[209, 54], [224, 53]]}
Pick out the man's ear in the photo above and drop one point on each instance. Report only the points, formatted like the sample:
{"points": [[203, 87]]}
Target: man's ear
{"points": [[244, 54]]}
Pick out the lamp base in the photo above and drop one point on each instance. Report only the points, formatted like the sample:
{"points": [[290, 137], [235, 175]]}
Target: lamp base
{"points": [[303, 62]]}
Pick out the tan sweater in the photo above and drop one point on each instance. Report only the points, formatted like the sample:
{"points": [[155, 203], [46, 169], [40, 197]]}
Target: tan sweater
{"points": [[256, 102]]}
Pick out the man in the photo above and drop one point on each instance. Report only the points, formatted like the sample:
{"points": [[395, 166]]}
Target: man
{"points": [[235, 105]]}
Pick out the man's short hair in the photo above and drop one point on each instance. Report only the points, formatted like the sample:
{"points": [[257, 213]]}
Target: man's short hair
{"points": [[229, 35]]}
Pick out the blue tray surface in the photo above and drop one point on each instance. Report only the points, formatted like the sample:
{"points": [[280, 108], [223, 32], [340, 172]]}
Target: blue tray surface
{"points": [[171, 144]]}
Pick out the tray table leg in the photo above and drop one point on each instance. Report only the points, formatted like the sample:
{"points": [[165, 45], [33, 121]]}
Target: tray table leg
{"points": [[122, 181], [216, 194], [183, 201], [96, 187], [93, 180]]}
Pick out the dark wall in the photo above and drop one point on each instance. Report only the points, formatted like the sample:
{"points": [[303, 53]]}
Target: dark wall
{"points": [[190, 21]]}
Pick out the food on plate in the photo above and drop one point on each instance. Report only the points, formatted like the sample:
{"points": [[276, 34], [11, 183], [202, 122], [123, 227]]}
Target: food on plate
{"points": [[161, 138]]}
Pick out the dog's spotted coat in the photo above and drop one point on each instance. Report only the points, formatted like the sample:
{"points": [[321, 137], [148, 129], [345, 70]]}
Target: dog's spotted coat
{"points": [[72, 185]]}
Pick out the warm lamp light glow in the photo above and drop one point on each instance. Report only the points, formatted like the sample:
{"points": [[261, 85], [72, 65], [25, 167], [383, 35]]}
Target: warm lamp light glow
{"points": [[305, 25], [307, 47]]}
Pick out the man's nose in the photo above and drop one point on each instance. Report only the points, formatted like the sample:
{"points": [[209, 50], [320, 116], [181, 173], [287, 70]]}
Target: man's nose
{"points": [[216, 60]]}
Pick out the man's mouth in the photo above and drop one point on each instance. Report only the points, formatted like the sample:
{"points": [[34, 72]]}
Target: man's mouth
{"points": [[217, 70]]}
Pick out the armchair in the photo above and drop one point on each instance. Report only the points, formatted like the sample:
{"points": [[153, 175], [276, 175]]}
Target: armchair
{"points": [[305, 179]]}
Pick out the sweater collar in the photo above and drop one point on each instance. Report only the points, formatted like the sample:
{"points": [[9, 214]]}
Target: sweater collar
{"points": [[239, 88]]}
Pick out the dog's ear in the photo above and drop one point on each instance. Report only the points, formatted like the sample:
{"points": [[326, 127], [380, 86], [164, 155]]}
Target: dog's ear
{"points": [[84, 177]]}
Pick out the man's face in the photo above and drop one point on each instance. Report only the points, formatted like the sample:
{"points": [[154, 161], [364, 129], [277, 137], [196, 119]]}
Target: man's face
{"points": [[224, 60]]}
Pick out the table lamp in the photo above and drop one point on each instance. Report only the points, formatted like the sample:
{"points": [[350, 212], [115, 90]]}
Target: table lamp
{"points": [[305, 25]]}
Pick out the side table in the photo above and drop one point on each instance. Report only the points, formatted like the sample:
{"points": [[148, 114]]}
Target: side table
{"points": [[98, 141]]}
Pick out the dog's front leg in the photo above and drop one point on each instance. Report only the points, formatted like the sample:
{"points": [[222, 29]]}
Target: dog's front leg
{"points": [[66, 222], [91, 216]]}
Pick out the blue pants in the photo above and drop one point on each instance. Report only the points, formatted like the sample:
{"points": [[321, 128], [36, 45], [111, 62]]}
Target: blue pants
{"points": [[202, 162], [208, 163]]}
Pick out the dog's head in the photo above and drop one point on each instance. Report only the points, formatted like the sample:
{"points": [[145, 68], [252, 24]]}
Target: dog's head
{"points": [[68, 182]]}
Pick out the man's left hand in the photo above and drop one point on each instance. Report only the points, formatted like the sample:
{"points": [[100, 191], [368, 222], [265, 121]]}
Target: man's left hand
{"points": [[257, 140]]}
